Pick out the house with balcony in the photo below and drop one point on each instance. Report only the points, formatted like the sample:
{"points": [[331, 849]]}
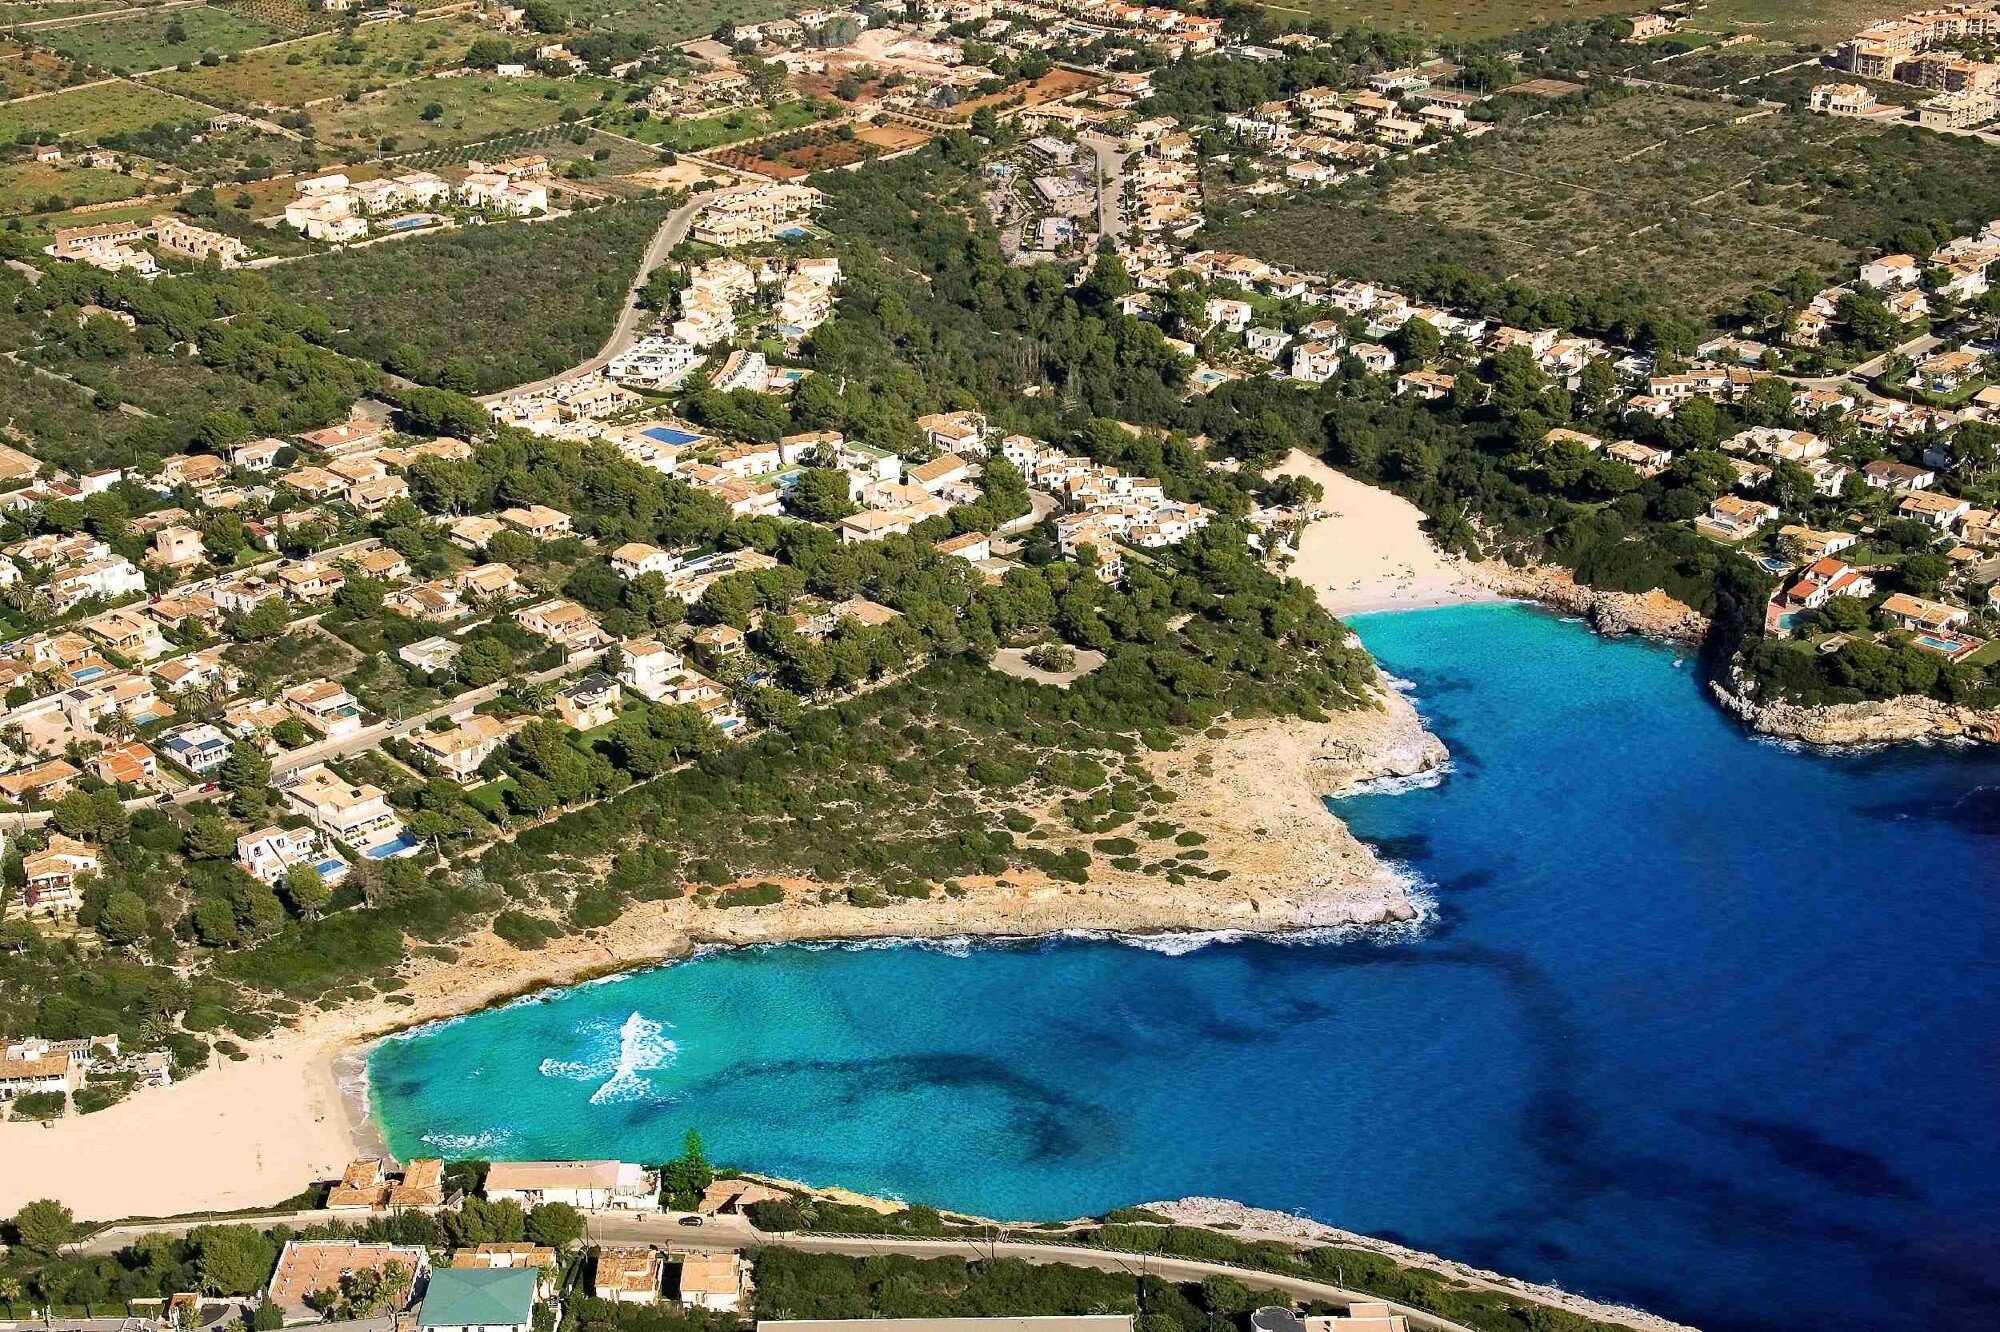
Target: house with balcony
{"points": [[589, 703], [199, 748], [565, 624], [357, 815], [650, 668], [325, 707], [54, 875], [268, 854], [459, 751], [127, 631]]}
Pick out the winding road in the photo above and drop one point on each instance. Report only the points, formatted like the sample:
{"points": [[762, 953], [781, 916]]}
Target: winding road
{"points": [[632, 318]]}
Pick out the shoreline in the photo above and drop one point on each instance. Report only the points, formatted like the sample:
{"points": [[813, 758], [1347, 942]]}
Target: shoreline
{"points": [[1370, 553], [295, 1107]]}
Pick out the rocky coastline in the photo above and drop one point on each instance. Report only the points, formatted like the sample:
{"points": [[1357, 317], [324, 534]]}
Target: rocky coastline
{"points": [[1651, 614], [1905, 719]]}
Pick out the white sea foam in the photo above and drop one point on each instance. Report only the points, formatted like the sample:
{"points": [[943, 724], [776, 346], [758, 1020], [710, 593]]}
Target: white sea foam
{"points": [[1395, 785], [457, 1144], [643, 1047]]}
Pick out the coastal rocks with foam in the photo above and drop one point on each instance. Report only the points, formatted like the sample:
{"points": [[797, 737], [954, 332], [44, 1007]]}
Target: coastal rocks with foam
{"points": [[1887, 721], [1247, 1222], [1653, 614]]}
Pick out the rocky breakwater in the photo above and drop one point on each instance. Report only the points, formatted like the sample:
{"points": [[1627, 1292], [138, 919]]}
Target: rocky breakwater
{"points": [[1653, 614], [1883, 722]]}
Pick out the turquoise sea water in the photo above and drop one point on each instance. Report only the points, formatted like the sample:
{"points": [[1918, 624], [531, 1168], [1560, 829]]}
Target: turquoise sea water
{"points": [[1699, 1022]]}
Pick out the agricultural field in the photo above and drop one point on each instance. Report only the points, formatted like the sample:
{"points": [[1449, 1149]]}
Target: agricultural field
{"points": [[42, 187], [460, 294], [442, 113], [138, 42], [328, 65], [294, 18], [671, 20], [800, 153], [87, 114], [694, 135], [1677, 198]]}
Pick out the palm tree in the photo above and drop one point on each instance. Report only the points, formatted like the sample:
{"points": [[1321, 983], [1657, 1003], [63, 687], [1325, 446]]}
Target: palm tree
{"points": [[10, 1290]]}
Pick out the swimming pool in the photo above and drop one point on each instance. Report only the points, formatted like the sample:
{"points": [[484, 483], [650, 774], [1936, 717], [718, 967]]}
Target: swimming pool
{"points": [[403, 845], [669, 435]]}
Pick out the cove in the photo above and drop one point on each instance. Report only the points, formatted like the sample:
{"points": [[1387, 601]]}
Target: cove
{"points": [[1700, 1023]]}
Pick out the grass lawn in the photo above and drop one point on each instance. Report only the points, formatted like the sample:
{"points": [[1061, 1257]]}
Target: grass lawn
{"points": [[136, 42], [1666, 195], [491, 799], [690, 136], [469, 108], [328, 65], [1985, 656], [31, 187], [83, 115]]}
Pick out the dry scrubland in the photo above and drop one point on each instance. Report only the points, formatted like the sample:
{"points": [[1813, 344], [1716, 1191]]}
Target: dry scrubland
{"points": [[1685, 199]]}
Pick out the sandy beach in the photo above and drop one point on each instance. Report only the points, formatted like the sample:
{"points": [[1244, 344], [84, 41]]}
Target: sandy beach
{"points": [[1370, 553], [252, 1132]]}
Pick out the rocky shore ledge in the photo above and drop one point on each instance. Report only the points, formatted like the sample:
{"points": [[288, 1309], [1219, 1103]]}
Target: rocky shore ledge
{"points": [[1883, 722], [1653, 614], [1262, 1223]]}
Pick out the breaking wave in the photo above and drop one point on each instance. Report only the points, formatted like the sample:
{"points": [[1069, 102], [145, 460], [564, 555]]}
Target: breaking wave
{"points": [[641, 1046]]}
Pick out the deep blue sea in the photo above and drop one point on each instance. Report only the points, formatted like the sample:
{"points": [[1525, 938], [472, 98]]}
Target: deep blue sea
{"points": [[1699, 1023]]}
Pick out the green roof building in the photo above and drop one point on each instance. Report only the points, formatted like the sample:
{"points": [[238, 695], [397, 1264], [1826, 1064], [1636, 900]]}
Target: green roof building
{"points": [[477, 1299]]}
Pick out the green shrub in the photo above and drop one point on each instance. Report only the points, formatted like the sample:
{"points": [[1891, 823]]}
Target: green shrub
{"points": [[757, 894], [525, 931]]}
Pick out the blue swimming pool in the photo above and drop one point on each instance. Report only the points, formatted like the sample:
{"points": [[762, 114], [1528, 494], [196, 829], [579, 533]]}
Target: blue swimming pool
{"points": [[390, 850], [669, 435]]}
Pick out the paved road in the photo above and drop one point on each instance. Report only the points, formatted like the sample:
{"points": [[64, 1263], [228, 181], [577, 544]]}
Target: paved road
{"points": [[735, 1233], [1110, 184], [631, 319], [370, 736]]}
